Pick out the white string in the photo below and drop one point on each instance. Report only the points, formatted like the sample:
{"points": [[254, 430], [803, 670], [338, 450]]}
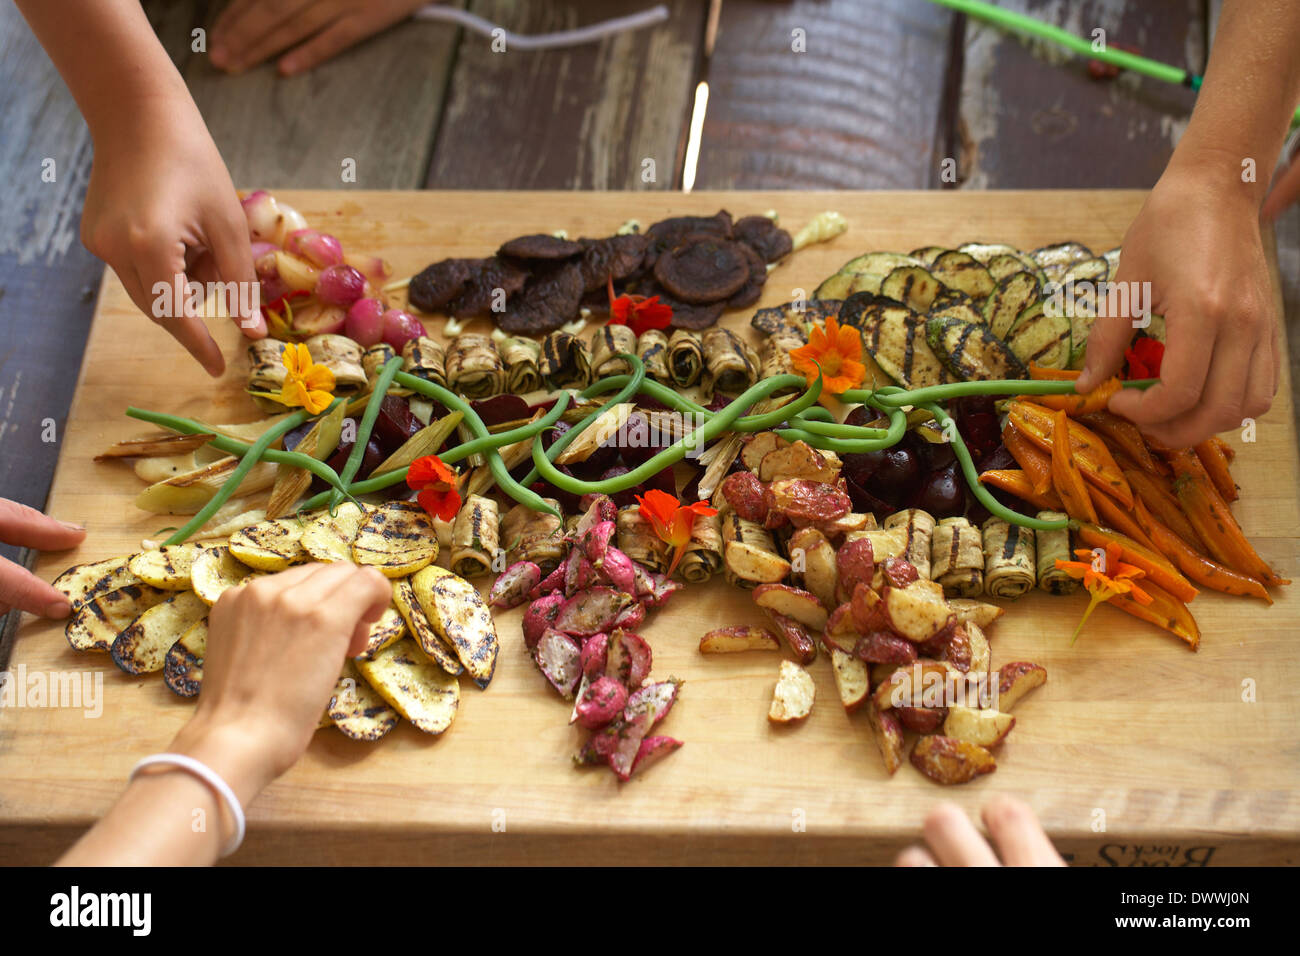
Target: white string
{"points": [[542, 41]]}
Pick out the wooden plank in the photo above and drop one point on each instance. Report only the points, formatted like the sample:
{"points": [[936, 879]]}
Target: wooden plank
{"points": [[859, 109], [376, 104], [1129, 723], [1031, 118], [586, 117]]}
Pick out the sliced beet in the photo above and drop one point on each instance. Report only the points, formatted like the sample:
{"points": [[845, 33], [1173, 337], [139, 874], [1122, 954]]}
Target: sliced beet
{"points": [[763, 236], [480, 290], [617, 257], [499, 408], [703, 269], [549, 300], [540, 246], [441, 282], [666, 233], [752, 290]]}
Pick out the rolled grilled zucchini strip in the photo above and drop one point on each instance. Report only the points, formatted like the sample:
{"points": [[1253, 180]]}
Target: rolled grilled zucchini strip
{"points": [[957, 558], [774, 354], [1052, 545], [703, 557], [685, 358], [652, 350], [535, 536], [637, 539], [920, 534], [266, 372], [607, 342], [474, 367], [522, 357], [566, 363], [475, 536], [1010, 559], [730, 365], [425, 359], [342, 356]]}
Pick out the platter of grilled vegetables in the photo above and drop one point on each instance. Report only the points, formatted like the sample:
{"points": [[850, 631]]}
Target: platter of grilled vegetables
{"points": [[980, 311], [149, 612]]}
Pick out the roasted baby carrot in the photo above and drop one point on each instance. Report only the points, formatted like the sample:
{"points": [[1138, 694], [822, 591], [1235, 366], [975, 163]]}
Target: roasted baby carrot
{"points": [[1086, 449], [1113, 516], [1066, 477], [1076, 405], [1122, 435], [1015, 482], [1164, 611], [1040, 373], [1215, 463], [1154, 491], [1229, 452], [1158, 568], [1197, 566], [1212, 520], [1036, 464]]}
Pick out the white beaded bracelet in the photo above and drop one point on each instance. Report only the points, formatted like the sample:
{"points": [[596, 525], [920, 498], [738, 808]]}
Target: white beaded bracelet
{"points": [[212, 779]]}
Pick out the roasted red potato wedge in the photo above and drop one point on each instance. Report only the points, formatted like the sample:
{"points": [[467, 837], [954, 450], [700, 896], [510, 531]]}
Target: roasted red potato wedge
{"points": [[888, 732], [813, 557], [949, 760], [793, 697], [741, 637], [915, 612], [795, 635], [792, 602], [987, 728], [924, 720], [852, 679], [1017, 679]]}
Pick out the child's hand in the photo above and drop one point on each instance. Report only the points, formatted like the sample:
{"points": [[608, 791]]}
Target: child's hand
{"points": [[29, 528], [160, 204], [249, 32], [952, 839], [1197, 242], [275, 649]]}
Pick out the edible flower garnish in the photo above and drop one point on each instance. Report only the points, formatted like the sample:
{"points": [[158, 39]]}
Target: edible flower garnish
{"points": [[279, 315], [672, 521], [1105, 577], [637, 312], [837, 349], [1144, 357], [307, 385], [436, 484]]}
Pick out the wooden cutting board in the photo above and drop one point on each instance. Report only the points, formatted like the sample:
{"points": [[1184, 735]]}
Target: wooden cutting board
{"points": [[1136, 752]]}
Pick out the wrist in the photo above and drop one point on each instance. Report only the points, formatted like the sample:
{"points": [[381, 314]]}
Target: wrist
{"points": [[1220, 174], [230, 750]]}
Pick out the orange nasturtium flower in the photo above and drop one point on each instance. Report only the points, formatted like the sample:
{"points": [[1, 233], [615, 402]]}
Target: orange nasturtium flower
{"points": [[672, 520], [436, 484], [306, 384], [1113, 578], [837, 350]]}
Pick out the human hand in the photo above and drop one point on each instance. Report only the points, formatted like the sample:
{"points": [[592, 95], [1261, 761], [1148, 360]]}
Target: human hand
{"points": [[29, 528], [275, 649], [954, 841], [1197, 242], [160, 208], [249, 32]]}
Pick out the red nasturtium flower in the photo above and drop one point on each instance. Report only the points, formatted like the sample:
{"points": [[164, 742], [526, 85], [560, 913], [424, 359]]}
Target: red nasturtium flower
{"points": [[638, 312], [835, 350], [1144, 357], [672, 520], [436, 484]]}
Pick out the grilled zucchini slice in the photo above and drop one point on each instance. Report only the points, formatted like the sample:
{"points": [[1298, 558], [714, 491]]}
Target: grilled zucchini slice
{"points": [[835, 287], [958, 270], [272, 545], [329, 537], [912, 286], [971, 352], [418, 689], [1010, 298], [1095, 269], [879, 263], [895, 337], [397, 538], [1112, 260], [85, 582], [142, 647], [167, 567], [461, 618], [927, 254], [183, 666], [95, 624], [1042, 336], [1055, 260], [422, 629], [214, 572], [357, 709], [961, 311], [1002, 266]]}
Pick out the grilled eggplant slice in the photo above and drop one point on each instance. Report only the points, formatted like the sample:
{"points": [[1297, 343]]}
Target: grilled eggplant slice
{"points": [[183, 666], [329, 537], [913, 286], [357, 709], [85, 582], [878, 263], [972, 352], [272, 545], [461, 618], [412, 616], [398, 538], [1041, 336], [919, 525], [216, 571], [1055, 260], [167, 567], [637, 539], [142, 647], [958, 270], [95, 624], [418, 689], [1008, 300]]}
